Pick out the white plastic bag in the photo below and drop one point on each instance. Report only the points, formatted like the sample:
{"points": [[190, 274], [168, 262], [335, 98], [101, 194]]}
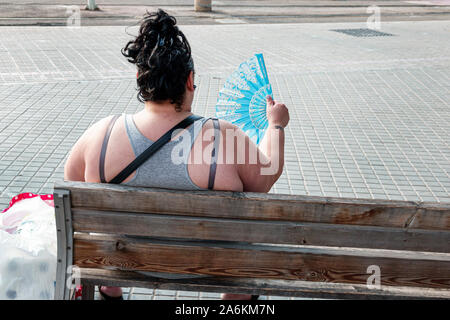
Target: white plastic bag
{"points": [[28, 250]]}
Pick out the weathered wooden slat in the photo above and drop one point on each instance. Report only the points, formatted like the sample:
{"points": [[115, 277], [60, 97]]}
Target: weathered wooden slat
{"points": [[337, 265], [263, 287], [259, 206], [430, 215], [281, 232]]}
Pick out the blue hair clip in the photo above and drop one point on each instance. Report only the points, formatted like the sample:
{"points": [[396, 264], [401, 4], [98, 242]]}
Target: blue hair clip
{"points": [[163, 40]]}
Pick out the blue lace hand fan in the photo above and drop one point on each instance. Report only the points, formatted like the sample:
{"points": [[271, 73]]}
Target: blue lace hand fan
{"points": [[242, 100]]}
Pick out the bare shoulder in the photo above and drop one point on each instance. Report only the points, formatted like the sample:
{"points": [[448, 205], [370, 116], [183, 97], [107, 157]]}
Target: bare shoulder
{"points": [[232, 131], [75, 166], [99, 125], [227, 125], [224, 126], [95, 131]]}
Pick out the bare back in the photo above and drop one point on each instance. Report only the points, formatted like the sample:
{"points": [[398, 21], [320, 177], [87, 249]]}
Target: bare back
{"points": [[120, 152]]}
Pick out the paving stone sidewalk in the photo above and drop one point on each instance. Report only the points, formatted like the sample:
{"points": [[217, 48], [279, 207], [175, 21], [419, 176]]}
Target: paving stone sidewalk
{"points": [[119, 12], [369, 116]]}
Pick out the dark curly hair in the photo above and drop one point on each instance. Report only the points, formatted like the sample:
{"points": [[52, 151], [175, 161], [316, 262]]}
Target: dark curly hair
{"points": [[163, 59]]}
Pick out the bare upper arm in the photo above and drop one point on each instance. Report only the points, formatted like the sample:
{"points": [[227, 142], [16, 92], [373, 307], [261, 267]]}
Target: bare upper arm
{"points": [[248, 158], [75, 167], [75, 164]]}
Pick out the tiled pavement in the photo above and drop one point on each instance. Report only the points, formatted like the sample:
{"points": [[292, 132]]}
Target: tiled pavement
{"points": [[370, 117], [51, 54]]}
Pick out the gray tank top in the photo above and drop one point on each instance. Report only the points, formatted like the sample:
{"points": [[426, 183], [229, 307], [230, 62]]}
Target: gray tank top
{"points": [[167, 168]]}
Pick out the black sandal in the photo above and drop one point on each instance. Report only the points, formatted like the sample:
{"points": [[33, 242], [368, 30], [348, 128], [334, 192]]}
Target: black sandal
{"points": [[104, 296]]}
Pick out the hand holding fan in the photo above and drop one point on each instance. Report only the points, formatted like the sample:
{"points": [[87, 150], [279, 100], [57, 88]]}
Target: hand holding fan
{"points": [[242, 100]]}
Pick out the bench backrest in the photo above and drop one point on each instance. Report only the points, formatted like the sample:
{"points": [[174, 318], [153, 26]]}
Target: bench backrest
{"points": [[253, 235]]}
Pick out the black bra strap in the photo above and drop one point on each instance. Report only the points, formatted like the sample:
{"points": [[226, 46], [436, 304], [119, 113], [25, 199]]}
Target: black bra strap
{"points": [[214, 154], [104, 146]]}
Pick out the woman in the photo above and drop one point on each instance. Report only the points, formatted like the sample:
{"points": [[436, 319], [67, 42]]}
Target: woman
{"points": [[165, 79]]}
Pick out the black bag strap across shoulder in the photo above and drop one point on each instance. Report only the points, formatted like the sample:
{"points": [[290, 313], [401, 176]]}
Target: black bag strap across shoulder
{"points": [[144, 156], [214, 154], [158, 144]]}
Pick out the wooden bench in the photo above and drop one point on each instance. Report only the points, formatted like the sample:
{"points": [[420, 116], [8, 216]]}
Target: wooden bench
{"points": [[251, 243]]}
